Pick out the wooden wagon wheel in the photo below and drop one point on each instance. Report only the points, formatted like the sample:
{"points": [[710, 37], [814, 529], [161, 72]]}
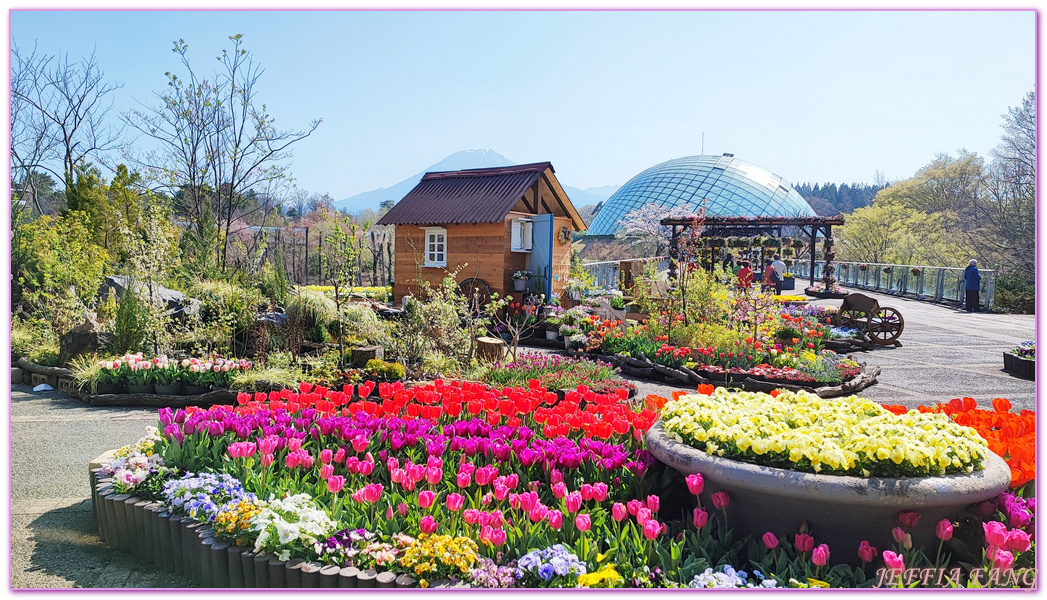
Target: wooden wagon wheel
{"points": [[886, 326], [853, 319], [476, 292]]}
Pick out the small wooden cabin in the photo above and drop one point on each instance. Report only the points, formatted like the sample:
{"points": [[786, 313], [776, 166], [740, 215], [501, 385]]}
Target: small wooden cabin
{"points": [[484, 225]]}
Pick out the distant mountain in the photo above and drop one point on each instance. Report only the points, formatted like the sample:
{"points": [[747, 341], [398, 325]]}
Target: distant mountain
{"points": [[466, 159]]}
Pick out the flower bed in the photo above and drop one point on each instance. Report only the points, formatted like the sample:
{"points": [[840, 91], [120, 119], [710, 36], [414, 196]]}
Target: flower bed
{"points": [[556, 373], [192, 375], [1021, 360], [487, 487]]}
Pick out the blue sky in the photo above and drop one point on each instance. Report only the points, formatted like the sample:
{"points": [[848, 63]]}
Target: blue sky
{"points": [[810, 95]]}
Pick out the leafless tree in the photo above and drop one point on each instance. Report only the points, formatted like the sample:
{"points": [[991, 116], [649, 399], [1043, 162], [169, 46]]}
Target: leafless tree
{"points": [[59, 117], [217, 140]]}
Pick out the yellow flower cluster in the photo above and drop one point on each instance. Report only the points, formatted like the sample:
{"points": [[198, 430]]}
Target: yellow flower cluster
{"points": [[801, 431], [375, 291], [606, 577], [789, 298], [440, 555], [234, 522]]}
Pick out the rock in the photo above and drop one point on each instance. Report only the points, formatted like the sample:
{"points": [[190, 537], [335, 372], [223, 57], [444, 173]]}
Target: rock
{"points": [[80, 340], [178, 304], [360, 356]]}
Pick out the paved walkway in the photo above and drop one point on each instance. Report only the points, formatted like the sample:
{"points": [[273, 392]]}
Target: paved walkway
{"points": [[945, 354]]}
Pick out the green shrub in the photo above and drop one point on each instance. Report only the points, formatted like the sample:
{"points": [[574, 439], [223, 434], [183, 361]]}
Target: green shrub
{"points": [[386, 370], [360, 324], [279, 371], [27, 335], [311, 308], [45, 355], [223, 301], [275, 285], [130, 324], [1015, 293], [53, 255]]}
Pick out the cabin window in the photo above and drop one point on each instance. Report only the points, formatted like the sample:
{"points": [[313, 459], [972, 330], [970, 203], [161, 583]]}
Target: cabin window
{"points": [[435, 247], [522, 235]]}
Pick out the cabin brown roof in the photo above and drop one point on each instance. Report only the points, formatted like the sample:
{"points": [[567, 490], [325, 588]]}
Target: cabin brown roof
{"points": [[467, 196]]}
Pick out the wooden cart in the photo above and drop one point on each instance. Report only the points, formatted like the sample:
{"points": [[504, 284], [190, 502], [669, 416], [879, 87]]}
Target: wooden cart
{"points": [[882, 324]]}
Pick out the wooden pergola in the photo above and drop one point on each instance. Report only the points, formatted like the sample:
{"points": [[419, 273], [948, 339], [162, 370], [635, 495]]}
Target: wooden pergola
{"points": [[810, 227]]}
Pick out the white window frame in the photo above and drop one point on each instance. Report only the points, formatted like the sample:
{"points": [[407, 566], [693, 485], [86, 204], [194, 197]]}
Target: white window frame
{"points": [[433, 247], [522, 235]]}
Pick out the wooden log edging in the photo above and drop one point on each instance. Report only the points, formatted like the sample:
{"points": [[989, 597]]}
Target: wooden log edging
{"points": [[177, 544]]}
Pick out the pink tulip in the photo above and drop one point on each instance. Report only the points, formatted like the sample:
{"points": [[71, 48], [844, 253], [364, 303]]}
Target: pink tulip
{"points": [[403, 509], [501, 491], [326, 471], [433, 475], [586, 491], [335, 483], [633, 506], [583, 522], [416, 472], [267, 460], [392, 464], [397, 475], [1001, 559], [943, 530], [389, 513], [467, 468], [573, 501], [366, 467], [434, 461], [600, 491], [407, 484], [643, 515], [701, 518], [653, 503], [721, 500], [360, 443], [538, 513], [1018, 541], [995, 533], [619, 512], [462, 480], [866, 552], [512, 481], [326, 456], [292, 460], [770, 541], [554, 477], [427, 524], [471, 516], [559, 490], [804, 542], [894, 562], [293, 444], [426, 499], [555, 518], [695, 483], [498, 537], [651, 529], [908, 518], [820, 556], [898, 534], [485, 534], [455, 502]]}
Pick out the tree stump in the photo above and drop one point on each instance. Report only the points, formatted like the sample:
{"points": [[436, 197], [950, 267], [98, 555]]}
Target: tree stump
{"points": [[490, 349], [360, 356]]}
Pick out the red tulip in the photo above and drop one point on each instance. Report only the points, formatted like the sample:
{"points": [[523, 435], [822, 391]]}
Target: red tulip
{"points": [[866, 552], [908, 518], [804, 543], [721, 500]]}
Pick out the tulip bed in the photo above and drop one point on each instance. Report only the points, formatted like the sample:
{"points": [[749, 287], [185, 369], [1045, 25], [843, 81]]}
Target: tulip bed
{"points": [[509, 487]]}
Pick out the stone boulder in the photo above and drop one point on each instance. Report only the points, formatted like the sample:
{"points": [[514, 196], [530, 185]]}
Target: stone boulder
{"points": [[178, 304], [85, 338]]}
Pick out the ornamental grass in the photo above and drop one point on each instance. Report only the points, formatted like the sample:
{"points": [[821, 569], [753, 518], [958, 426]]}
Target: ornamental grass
{"points": [[803, 432]]}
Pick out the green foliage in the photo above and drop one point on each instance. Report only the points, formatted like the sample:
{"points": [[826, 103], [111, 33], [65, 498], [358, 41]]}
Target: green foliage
{"points": [[85, 372], [233, 305], [278, 371], [438, 325], [390, 371], [311, 308], [55, 257], [130, 325], [362, 326], [27, 335], [274, 284], [45, 354], [891, 232], [1014, 294]]}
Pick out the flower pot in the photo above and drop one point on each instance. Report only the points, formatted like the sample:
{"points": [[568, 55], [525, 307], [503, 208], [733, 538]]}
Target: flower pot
{"points": [[788, 283], [840, 511], [520, 285], [196, 390], [134, 388], [111, 388], [552, 335], [173, 389], [1019, 366], [574, 294]]}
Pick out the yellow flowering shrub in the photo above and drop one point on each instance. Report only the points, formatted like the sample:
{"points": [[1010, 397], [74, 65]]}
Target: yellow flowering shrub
{"points": [[606, 577], [439, 556], [803, 432]]}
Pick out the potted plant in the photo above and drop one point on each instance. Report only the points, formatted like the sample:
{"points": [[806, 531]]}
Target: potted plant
{"points": [[863, 267], [788, 281], [111, 377], [167, 376], [1021, 361], [575, 288], [140, 378], [552, 327], [916, 271], [887, 268], [520, 279]]}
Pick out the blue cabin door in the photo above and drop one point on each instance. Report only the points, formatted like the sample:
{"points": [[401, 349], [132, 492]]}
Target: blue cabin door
{"points": [[541, 260]]}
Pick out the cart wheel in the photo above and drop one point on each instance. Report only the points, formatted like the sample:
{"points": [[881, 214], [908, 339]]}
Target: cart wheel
{"points": [[886, 326], [476, 292], [853, 319]]}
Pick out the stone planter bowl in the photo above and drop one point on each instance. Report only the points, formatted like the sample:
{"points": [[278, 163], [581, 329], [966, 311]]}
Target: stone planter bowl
{"points": [[840, 511]]}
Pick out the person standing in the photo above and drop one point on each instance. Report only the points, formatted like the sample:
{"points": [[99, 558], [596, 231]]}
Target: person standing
{"points": [[745, 275], [972, 283], [768, 276], [779, 269]]}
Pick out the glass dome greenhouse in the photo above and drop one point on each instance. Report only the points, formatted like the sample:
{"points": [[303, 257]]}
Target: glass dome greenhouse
{"points": [[732, 188]]}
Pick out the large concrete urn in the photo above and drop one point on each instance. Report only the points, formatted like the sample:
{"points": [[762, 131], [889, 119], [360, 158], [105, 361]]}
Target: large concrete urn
{"points": [[840, 511]]}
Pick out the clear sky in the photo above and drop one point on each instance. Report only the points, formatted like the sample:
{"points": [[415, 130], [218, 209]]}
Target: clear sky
{"points": [[810, 95]]}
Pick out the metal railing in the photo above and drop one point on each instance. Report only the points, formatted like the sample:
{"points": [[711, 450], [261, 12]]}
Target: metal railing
{"points": [[934, 284], [607, 273]]}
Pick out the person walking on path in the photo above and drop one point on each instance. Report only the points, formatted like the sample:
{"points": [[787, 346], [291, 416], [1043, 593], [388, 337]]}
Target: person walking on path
{"points": [[779, 269], [768, 276], [972, 283], [745, 275]]}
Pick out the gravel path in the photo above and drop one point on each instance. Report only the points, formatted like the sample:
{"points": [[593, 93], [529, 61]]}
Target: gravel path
{"points": [[945, 354]]}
